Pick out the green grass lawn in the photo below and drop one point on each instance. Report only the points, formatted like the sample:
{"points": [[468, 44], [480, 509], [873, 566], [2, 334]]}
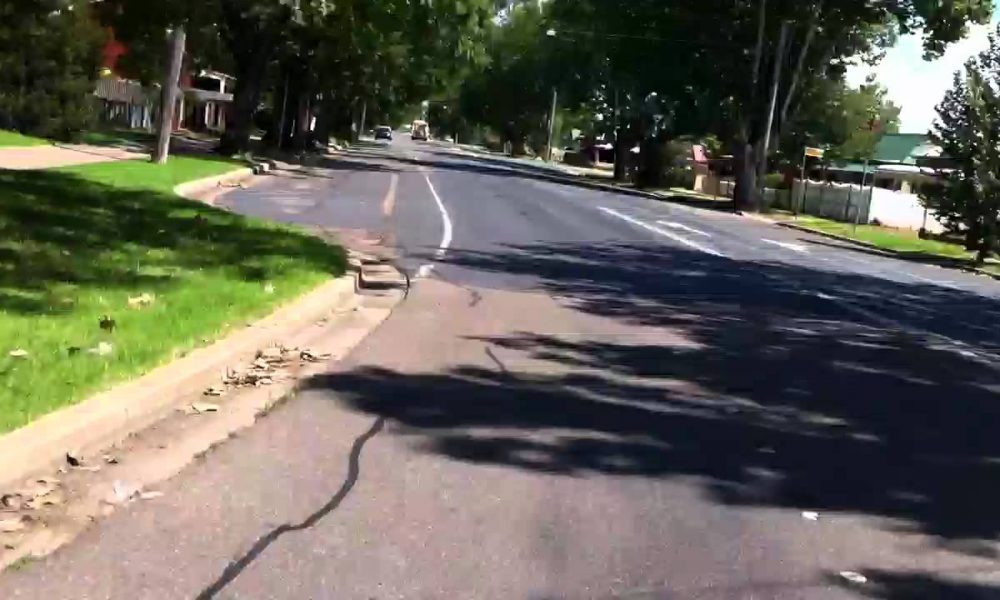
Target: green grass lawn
{"points": [[897, 240], [13, 138], [117, 137], [77, 243]]}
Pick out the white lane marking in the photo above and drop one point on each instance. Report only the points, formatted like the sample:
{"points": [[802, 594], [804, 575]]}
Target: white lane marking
{"points": [[883, 269], [935, 341], [787, 246], [425, 270], [683, 227], [663, 232]]}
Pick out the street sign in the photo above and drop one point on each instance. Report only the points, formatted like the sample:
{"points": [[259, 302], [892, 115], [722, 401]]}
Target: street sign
{"points": [[814, 152]]}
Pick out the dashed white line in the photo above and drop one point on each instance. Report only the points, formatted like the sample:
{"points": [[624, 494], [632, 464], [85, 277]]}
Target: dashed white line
{"points": [[663, 232], [683, 227], [425, 270], [788, 246]]}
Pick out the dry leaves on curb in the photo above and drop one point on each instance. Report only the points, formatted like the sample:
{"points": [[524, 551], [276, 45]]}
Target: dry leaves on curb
{"points": [[204, 407], [309, 356], [13, 524]]}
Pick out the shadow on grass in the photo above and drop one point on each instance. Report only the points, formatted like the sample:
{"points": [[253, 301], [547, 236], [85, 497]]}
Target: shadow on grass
{"points": [[781, 395], [58, 229]]}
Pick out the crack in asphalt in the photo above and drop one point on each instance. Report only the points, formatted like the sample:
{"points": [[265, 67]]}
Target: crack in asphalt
{"points": [[237, 567]]}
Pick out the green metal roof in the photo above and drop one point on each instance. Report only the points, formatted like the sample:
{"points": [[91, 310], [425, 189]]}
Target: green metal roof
{"points": [[903, 148]]}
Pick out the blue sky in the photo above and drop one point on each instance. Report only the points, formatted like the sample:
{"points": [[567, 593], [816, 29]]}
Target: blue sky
{"points": [[917, 85]]}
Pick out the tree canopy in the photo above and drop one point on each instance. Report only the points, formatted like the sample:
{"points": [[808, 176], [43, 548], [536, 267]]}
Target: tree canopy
{"points": [[49, 59], [968, 130]]}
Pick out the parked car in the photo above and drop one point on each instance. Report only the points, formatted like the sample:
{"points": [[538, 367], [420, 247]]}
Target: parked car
{"points": [[383, 132]]}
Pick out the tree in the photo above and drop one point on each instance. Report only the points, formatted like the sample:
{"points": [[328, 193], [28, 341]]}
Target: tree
{"points": [[715, 59], [50, 53], [849, 122], [968, 130]]}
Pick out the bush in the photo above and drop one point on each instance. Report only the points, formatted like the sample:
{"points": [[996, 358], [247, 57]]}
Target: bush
{"points": [[679, 177], [775, 181], [49, 58]]}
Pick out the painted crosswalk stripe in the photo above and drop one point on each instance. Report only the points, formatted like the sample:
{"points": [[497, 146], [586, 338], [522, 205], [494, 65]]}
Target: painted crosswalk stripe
{"points": [[658, 230], [683, 227]]}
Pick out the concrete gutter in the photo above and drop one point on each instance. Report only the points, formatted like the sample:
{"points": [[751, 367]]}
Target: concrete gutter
{"points": [[945, 262]]}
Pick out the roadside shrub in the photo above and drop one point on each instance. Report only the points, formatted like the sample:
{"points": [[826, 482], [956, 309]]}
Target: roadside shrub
{"points": [[775, 181]]}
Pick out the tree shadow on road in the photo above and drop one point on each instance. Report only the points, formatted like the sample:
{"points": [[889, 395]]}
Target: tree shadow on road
{"points": [[778, 395]]}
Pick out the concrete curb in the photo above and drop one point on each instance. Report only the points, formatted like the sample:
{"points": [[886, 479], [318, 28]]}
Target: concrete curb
{"points": [[200, 188], [109, 417], [877, 249]]}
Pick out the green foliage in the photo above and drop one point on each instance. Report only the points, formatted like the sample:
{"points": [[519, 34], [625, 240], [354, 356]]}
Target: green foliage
{"points": [[968, 131], [49, 57], [849, 122]]}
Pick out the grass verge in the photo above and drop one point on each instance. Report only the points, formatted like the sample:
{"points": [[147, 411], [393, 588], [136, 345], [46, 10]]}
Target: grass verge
{"points": [[14, 139], [77, 243], [117, 137], [902, 241]]}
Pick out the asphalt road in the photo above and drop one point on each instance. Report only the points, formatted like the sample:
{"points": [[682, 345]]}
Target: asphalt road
{"points": [[590, 395]]}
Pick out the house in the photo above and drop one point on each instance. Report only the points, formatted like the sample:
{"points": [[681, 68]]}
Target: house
{"points": [[899, 163], [122, 102], [205, 101], [202, 106]]}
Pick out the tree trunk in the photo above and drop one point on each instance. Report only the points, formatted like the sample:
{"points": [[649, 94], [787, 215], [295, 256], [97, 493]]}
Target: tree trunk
{"points": [[745, 171], [623, 153], [239, 120]]}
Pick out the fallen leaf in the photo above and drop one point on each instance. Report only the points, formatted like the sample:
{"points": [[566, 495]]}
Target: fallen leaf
{"points": [[214, 391], [11, 501], [74, 460], [854, 577], [12, 524], [141, 300], [39, 487], [107, 323], [18, 353], [111, 460], [810, 515], [51, 499], [310, 356], [102, 349], [204, 407]]}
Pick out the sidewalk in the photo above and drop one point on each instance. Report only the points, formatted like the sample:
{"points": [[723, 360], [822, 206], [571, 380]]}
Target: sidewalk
{"points": [[62, 155]]}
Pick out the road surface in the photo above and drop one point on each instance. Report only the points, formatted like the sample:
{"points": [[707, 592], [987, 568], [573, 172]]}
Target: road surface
{"points": [[590, 395]]}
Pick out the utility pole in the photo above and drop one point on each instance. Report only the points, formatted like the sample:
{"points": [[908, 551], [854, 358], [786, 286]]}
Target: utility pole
{"points": [[775, 84], [552, 122], [168, 95]]}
